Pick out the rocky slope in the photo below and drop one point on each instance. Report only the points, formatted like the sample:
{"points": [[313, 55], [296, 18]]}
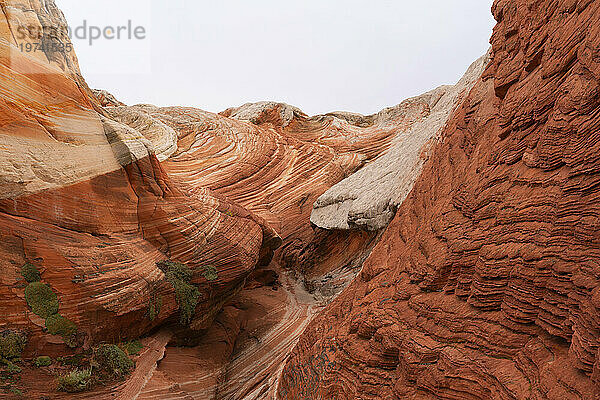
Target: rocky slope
{"points": [[485, 285], [275, 161]]}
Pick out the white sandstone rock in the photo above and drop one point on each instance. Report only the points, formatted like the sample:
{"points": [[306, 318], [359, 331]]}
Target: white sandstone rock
{"points": [[369, 198]]}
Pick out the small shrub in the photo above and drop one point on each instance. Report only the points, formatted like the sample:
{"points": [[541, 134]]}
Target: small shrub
{"points": [[112, 362], [16, 391], [41, 299], [13, 369], [12, 344], [43, 361], [61, 326], [75, 381], [132, 348], [210, 273], [187, 299], [30, 273], [154, 309], [179, 276], [176, 270], [76, 360]]}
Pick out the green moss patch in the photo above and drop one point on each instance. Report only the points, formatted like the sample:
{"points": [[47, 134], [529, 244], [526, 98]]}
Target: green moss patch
{"points": [[12, 344], [43, 361], [30, 273], [43, 302], [61, 326], [210, 273], [112, 362], [41, 299], [132, 348], [179, 276], [75, 381]]}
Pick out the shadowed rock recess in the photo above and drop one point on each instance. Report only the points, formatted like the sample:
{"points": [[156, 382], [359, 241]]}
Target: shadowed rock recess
{"points": [[444, 248]]}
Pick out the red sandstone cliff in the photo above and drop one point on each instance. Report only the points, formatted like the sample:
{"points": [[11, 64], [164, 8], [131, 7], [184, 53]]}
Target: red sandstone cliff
{"points": [[486, 284]]}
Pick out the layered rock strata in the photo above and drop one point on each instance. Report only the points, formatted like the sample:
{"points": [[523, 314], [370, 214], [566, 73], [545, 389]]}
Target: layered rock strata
{"points": [[84, 198], [95, 194], [272, 159], [485, 284]]}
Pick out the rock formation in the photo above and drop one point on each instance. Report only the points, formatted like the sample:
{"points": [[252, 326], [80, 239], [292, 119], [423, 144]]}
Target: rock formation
{"points": [[96, 196], [272, 159], [231, 232], [84, 199], [275, 161], [485, 285], [369, 198]]}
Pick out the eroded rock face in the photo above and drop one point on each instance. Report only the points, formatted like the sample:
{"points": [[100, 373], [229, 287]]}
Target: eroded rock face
{"points": [[275, 161], [485, 285], [95, 193], [84, 198], [369, 198], [162, 137], [268, 157], [271, 158], [106, 99], [41, 23]]}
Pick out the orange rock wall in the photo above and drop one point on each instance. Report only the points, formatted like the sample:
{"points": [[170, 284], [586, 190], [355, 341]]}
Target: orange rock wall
{"points": [[486, 284], [87, 202], [275, 171]]}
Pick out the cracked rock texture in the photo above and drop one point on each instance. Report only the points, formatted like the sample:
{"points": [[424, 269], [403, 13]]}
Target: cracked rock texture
{"points": [[486, 283]]}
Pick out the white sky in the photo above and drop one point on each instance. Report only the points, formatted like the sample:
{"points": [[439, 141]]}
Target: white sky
{"points": [[319, 55]]}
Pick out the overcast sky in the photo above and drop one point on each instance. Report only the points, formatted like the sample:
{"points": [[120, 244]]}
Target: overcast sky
{"points": [[319, 55]]}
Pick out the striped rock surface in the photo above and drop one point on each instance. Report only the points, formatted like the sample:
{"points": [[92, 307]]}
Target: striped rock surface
{"points": [[94, 193], [85, 199], [486, 283]]}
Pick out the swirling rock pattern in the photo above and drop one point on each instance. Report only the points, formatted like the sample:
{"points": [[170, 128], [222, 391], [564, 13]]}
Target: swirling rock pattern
{"points": [[271, 158], [275, 161], [85, 199], [486, 283], [106, 99], [94, 193]]}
